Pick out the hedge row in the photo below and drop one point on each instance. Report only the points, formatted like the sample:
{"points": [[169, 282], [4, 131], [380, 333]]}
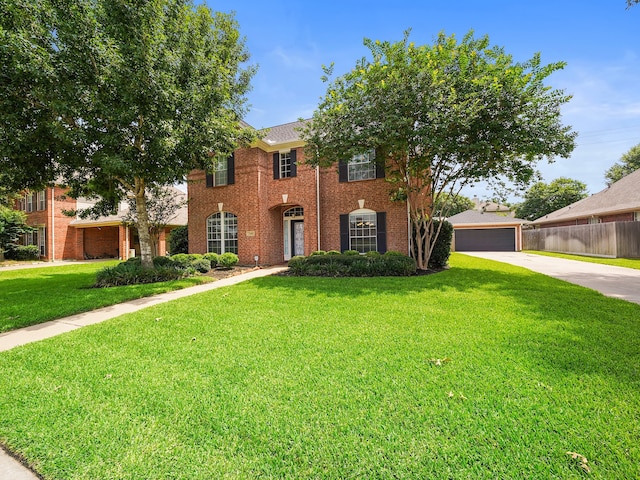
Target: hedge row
{"points": [[164, 269], [352, 264]]}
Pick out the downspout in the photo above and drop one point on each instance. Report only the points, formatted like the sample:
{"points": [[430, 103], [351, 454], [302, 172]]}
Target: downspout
{"points": [[53, 224], [318, 202], [408, 229]]}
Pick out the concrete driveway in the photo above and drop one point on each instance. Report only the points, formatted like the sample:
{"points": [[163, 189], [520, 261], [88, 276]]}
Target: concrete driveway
{"points": [[617, 282]]}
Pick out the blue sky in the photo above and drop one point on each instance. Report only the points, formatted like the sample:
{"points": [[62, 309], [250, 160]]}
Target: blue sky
{"points": [[291, 40]]}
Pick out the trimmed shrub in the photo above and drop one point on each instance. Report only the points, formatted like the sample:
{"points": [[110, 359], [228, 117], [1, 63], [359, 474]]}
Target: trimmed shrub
{"points": [[442, 248], [179, 240], [183, 260], [350, 265], [201, 265], [333, 252], [213, 258], [163, 262], [127, 273], [227, 260], [351, 252], [372, 253], [23, 252], [318, 252]]}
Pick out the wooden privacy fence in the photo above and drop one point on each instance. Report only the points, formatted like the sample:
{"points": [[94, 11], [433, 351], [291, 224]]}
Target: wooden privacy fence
{"points": [[613, 239]]}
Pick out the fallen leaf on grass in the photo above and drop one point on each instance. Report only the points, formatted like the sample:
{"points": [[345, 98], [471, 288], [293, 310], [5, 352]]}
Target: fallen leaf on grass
{"points": [[438, 362], [580, 460]]}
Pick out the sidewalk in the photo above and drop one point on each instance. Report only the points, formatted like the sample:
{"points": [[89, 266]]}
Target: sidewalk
{"points": [[12, 469]]}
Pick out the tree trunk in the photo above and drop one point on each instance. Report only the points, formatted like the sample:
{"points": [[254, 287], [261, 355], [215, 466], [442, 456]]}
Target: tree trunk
{"points": [[146, 256]]}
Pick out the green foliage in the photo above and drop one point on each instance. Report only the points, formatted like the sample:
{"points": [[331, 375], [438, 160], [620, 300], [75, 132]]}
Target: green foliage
{"points": [[333, 252], [349, 265], [134, 274], [179, 240], [12, 226], [542, 199], [182, 259], [442, 245], [227, 260], [319, 252], [116, 98], [23, 252], [629, 162], [162, 261], [446, 205], [351, 252], [201, 265], [439, 117], [213, 258]]}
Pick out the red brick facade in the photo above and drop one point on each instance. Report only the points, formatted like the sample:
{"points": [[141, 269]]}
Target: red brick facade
{"points": [[66, 239], [259, 202]]}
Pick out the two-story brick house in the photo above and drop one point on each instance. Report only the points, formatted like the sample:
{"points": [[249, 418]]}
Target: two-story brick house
{"points": [[63, 237], [266, 205]]}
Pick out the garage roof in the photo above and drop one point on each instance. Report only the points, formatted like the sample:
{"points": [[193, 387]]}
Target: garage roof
{"points": [[474, 217]]}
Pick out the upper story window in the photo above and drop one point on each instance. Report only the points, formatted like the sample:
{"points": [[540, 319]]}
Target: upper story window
{"points": [[636, 216], [284, 164], [223, 172], [42, 200], [30, 201], [361, 167]]}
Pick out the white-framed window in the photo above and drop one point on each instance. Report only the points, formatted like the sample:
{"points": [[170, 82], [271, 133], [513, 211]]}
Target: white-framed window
{"points": [[222, 233], [285, 165], [31, 238], [362, 167], [636, 216], [30, 201], [42, 241], [22, 204], [363, 232], [220, 172], [42, 200]]}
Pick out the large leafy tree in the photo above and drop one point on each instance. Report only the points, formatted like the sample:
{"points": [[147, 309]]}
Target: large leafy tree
{"points": [[629, 162], [542, 199], [449, 205], [440, 117], [13, 224], [114, 97]]}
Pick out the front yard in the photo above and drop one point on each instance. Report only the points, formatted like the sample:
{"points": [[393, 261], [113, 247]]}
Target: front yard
{"points": [[35, 295], [482, 371]]}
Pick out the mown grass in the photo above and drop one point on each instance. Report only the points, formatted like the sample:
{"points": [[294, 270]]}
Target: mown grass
{"points": [[616, 262], [287, 377], [35, 295]]}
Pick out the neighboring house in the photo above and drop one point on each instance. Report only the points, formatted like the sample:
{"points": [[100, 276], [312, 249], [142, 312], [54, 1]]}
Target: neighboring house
{"points": [[264, 204], [60, 237], [605, 224], [482, 231], [620, 202], [491, 207]]}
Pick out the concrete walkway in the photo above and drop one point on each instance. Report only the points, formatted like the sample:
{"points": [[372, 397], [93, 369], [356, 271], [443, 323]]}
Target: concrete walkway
{"points": [[616, 282], [12, 469]]}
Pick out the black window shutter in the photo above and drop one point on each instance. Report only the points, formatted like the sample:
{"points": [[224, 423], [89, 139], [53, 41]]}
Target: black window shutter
{"points": [[209, 180], [231, 170], [344, 232], [343, 172], [294, 167], [276, 165], [379, 170], [381, 227]]}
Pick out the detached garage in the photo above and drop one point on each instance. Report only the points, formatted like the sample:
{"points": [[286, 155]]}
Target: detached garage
{"points": [[475, 231]]}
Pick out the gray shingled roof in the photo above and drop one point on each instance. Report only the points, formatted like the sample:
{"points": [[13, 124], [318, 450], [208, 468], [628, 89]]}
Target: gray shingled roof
{"points": [[284, 133], [474, 217], [622, 196]]}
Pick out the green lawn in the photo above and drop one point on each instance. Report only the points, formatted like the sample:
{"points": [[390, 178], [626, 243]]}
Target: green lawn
{"points": [[482, 371], [34, 295], [617, 262]]}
